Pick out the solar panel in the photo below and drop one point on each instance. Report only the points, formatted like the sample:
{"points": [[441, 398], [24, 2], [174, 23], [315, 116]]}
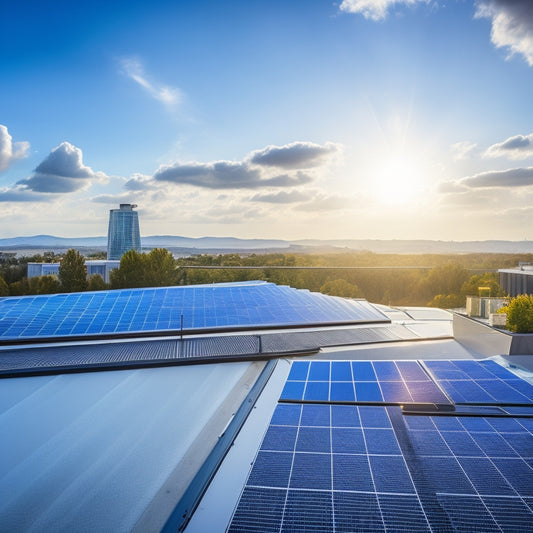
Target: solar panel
{"points": [[356, 467], [482, 382], [225, 305], [361, 381]]}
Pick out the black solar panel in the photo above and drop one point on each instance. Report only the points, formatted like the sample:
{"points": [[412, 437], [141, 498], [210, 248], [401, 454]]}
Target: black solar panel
{"points": [[356, 467]]}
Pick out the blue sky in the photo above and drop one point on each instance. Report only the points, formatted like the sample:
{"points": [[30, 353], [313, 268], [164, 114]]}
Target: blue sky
{"points": [[282, 119]]}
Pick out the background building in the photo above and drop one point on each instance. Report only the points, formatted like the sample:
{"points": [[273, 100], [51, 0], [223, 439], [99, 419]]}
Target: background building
{"points": [[517, 281], [123, 233], [97, 266]]}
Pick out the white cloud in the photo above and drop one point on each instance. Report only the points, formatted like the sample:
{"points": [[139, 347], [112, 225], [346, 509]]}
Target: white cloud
{"points": [[513, 177], [512, 25], [375, 9], [139, 182], [20, 194], [281, 197], [115, 198], [294, 155], [62, 171], [494, 190], [216, 175], [462, 150], [10, 151], [253, 172], [133, 69], [450, 187], [517, 147]]}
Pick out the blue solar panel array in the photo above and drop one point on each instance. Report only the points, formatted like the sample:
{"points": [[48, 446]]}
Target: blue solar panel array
{"points": [[483, 382], [331, 467], [361, 381], [158, 309]]}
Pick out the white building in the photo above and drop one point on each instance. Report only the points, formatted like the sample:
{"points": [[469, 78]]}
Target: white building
{"points": [[101, 267]]}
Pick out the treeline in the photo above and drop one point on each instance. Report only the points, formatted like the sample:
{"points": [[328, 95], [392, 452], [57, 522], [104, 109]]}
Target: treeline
{"points": [[475, 261], [445, 281], [445, 284]]}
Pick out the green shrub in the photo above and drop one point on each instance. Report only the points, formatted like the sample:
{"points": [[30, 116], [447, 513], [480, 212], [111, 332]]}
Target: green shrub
{"points": [[519, 314]]}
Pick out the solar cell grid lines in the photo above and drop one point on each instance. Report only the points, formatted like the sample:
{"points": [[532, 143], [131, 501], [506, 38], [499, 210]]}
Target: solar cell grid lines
{"points": [[373, 469], [483, 382], [361, 381], [225, 305]]}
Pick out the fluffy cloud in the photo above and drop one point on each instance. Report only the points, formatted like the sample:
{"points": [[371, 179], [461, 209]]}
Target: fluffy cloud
{"points": [[19, 194], [125, 198], [62, 171], [139, 182], [217, 175], [250, 173], [517, 147], [133, 69], [512, 25], [281, 197], [294, 155], [450, 187], [462, 150], [514, 177], [10, 151], [375, 9]]}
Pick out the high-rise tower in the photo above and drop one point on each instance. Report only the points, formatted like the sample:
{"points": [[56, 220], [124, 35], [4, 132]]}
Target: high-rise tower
{"points": [[123, 233]]}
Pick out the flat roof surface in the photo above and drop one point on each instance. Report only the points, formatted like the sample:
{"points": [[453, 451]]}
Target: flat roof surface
{"points": [[391, 426], [91, 451], [525, 271], [194, 307]]}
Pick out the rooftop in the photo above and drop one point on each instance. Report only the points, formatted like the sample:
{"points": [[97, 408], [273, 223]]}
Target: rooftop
{"points": [[321, 414]]}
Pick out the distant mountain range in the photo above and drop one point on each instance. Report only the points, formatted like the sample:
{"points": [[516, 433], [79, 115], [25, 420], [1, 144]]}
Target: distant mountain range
{"points": [[204, 244]]}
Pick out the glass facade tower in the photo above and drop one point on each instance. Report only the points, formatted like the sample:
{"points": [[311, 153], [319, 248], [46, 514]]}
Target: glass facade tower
{"points": [[123, 233]]}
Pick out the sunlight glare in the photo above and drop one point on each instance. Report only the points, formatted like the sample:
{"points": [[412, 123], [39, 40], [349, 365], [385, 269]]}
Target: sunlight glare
{"points": [[399, 182]]}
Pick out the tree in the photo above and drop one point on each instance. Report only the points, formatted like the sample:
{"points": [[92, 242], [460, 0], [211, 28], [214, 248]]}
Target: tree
{"points": [[48, 285], [519, 314], [341, 287], [447, 301], [446, 279], [97, 283], [160, 268], [73, 272], [4, 289], [156, 269], [19, 288], [488, 279], [130, 272]]}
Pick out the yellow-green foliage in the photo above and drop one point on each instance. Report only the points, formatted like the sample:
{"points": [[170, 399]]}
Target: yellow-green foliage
{"points": [[341, 287], [519, 314], [4, 289]]}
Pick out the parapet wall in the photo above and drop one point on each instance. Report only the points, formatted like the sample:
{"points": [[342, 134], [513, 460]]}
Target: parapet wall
{"points": [[489, 341]]}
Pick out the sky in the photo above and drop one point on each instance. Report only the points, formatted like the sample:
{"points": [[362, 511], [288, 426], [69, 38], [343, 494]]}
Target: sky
{"points": [[289, 119]]}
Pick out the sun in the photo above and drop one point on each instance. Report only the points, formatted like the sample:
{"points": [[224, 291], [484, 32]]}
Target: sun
{"points": [[399, 181]]}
